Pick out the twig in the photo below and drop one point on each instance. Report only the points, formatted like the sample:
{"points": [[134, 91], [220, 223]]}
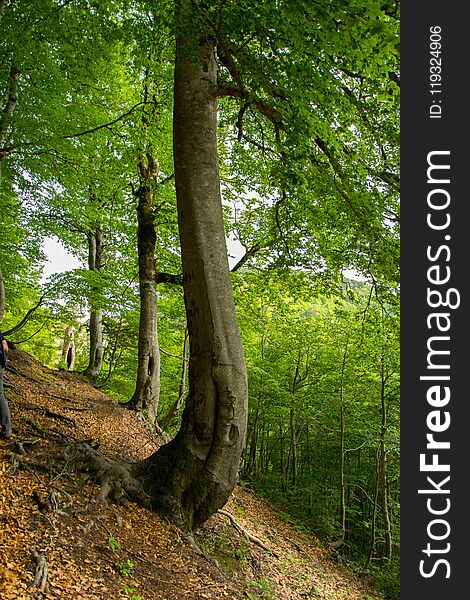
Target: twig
{"points": [[210, 585], [246, 533]]}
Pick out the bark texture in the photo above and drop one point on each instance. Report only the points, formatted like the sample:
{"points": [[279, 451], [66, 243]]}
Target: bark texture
{"points": [[12, 101], [95, 263], [147, 392], [192, 476], [68, 347]]}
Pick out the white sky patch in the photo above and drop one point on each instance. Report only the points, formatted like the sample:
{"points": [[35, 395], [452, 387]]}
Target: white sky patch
{"points": [[235, 251], [58, 259]]}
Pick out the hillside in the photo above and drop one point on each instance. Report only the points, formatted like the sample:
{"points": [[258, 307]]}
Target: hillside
{"points": [[48, 509]]}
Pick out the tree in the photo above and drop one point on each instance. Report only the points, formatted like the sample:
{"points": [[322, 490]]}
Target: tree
{"points": [[95, 266], [147, 391], [194, 474], [306, 98]]}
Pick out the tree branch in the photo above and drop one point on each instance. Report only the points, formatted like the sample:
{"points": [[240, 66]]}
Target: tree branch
{"points": [[168, 278], [246, 533], [248, 254], [10, 105], [26, 318], [263, 107], [120, 118]]}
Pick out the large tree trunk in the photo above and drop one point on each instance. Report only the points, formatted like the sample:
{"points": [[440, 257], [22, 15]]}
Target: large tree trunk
{"points": [[147, 391], [192, 476], [95, 263]]}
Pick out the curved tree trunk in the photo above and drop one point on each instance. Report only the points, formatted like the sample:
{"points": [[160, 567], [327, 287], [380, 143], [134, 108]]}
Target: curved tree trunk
{"points": [[95, 263], [147, 391], [193, 475]]}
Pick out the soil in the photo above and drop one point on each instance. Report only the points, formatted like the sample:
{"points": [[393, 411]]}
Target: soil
{"points": [[57, 540]]}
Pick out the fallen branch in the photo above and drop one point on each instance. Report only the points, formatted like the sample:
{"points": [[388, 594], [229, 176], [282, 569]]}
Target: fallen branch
{"points": [[246, 533], [210, 585]]}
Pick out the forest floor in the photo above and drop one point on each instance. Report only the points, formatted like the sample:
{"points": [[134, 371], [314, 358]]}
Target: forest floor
{"points": [[58, 541]]}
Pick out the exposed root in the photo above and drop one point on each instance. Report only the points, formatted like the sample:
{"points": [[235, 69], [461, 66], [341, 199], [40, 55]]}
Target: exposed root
{"points": [[51, 414], [247, 534], [40, 575], [116, 479]]}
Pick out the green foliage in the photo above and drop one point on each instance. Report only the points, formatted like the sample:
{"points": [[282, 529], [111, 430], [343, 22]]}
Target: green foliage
{"points": [[130, 591], [125, 568], [388, 581], [309, 159], [308, 359], [113, 543], [260, 588]]}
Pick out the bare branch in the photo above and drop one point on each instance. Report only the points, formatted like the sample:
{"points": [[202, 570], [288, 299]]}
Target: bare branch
{"points": [[248, 254], [105, 125]]}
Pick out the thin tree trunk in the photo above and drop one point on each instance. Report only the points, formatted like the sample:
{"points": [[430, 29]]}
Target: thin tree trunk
{"points": [[292, 455], [342, 485], [374, 516], [193, 475], [253, 462], [252, 466], [282, 459], [2, 296], [95, 263], [113, 358], [382, 466], [10, 106], [182, 386], [293, 451], [147, 392]]}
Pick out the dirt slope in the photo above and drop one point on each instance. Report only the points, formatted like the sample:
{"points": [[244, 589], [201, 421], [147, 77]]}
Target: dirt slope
{"points": [[90, 550]]}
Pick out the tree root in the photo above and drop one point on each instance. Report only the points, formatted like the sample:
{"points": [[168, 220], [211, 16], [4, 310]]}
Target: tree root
{"points": [[49, 413], [48, 505], [40, 575], [47, 433], [247, 534], [116, 479]]}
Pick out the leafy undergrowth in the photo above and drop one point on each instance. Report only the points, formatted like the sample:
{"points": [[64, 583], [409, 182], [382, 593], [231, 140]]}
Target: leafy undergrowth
{"points": [[55, 535]]}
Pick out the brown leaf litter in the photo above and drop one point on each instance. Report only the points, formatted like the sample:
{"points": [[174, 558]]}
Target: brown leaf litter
{"points": [[49, 516]]}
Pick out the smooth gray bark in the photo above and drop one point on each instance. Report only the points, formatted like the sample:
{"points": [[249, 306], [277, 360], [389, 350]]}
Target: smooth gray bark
{"points": [[192, 476]]}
